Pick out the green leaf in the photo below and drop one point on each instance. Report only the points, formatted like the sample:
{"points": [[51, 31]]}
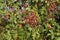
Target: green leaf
{"points": [[36, 0], [58, 38]]}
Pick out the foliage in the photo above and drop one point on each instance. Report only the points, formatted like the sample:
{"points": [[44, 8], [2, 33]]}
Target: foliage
{"points": [[29, 19]]}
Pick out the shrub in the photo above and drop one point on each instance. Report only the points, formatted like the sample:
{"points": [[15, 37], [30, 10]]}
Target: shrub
{"points": [[29, 19]]}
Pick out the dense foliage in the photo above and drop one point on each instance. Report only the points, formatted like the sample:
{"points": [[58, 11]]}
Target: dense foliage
{"points": [[29, 19]]}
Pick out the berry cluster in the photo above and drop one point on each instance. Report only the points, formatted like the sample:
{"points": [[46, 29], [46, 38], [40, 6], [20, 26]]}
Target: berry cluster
{"points": [[7, 16], [31, 19], [52, 7]]}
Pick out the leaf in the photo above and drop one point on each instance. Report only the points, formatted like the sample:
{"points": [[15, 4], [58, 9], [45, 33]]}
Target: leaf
{"points": [[36, 1], [7, 35], [42, 0], [58, 38]]}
